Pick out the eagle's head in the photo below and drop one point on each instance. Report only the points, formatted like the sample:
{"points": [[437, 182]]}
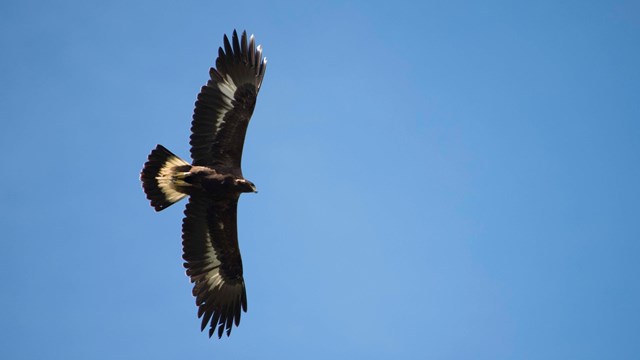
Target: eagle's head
{"points": [[245, 185]]}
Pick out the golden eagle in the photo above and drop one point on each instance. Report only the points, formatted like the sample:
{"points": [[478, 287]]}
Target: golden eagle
{"points": [[213, 182]]}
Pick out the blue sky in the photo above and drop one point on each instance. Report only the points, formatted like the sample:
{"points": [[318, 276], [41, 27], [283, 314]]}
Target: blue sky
{"points": [[438, 179]]}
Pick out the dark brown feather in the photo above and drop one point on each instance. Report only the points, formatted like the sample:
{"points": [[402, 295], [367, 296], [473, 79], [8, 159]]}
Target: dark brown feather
{"points": [[225, 105], [210, 252]]}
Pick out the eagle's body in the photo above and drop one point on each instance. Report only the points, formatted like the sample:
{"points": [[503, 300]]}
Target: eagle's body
{"points": [[213, 182]]}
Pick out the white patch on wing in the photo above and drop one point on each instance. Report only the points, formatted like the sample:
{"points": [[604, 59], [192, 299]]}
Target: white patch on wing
{"points": [[212, 258], [227, 89], [215, 280], [212, 278], [166, 180]]}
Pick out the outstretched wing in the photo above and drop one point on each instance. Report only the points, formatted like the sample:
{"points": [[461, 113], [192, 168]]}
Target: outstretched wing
{"points": [[213, 262], [226, 103]]}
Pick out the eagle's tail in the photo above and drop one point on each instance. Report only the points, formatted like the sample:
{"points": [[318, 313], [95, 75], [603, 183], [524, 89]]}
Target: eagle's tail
{"points": [[161, 178]]}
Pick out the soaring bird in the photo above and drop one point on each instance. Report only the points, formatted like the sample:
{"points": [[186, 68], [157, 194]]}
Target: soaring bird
{"points": [[213, 182]]}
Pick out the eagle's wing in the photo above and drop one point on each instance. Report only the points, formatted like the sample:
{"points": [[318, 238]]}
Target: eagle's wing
{"points": [[213, 262], [226, 103]]}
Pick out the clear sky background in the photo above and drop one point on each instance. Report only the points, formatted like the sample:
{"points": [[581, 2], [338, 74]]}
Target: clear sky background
{"points": [[438, 179]]}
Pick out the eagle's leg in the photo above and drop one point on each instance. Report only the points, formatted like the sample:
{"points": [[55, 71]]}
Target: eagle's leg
{"points": [[181, 179]]}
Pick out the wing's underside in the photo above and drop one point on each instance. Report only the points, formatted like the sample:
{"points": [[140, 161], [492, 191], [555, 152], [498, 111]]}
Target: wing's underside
{"points": [[213, 262], [225, 105]]}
